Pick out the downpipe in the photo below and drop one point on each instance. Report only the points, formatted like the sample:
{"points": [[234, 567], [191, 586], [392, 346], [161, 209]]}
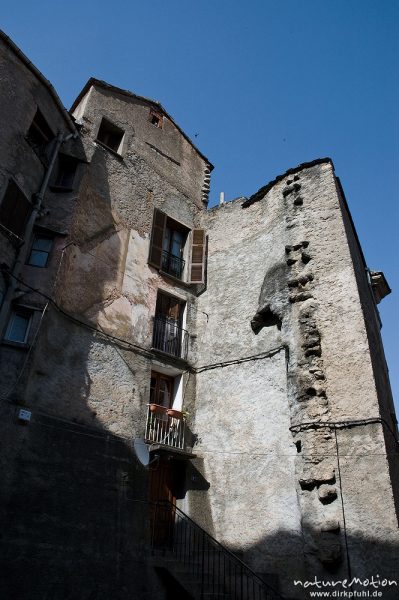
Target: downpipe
{"points": [[24, 248]]}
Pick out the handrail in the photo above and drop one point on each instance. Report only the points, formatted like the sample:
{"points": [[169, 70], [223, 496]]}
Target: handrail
{"points": [[169, 337], [174, 510], [163, 427], [172, 264]]}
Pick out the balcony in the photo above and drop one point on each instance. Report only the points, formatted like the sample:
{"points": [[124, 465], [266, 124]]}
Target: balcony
{"points": [[169, 337], [173, 265], [165, 426]]}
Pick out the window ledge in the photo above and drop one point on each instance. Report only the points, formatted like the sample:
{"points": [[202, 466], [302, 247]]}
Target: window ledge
{"points": [[19, 345], [175, 279], [36, 266], [109, 149], [175, 360]]}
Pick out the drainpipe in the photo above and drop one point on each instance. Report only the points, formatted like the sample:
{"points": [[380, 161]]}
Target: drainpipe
{"points": [[23, 250]]}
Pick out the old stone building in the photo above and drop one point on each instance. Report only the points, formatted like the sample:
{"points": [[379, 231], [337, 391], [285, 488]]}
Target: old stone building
{"points": [[195, 402]]}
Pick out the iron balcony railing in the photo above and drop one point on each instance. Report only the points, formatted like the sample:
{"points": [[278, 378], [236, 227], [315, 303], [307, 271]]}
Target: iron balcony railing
{"points": [[210, 569], [169, 337], [173, 265], [165, 426]]}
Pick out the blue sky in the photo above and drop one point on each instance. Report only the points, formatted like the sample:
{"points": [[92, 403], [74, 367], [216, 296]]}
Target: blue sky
{"points": [[265, 85]]}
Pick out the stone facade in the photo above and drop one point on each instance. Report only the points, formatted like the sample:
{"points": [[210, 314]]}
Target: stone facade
{"points": [[290, 455]]}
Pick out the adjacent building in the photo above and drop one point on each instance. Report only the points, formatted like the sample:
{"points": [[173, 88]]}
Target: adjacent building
{"points": [[195, 402]]}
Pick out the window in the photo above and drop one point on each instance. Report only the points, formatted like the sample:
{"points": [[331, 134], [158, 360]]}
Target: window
{"points": [[168, 246], [40, 251], [110, 136], [18, 325], [168, 334], [65, 172], [39, 132], [156, 119], [15, 209], [161, 390]]}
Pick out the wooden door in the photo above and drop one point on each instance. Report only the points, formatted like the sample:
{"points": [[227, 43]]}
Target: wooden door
{"points": [[162, 495]]}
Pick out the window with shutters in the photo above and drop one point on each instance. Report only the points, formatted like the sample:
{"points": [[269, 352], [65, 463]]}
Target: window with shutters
{"points": [[15, 210], [169, 249]]}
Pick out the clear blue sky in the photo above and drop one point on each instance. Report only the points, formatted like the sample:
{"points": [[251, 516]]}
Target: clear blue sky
{"points": [[266, 84]]}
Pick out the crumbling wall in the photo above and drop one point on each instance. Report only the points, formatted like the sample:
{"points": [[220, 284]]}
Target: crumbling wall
{"points": [[280, 273]]}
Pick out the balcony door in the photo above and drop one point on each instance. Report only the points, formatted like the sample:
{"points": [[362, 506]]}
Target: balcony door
{"points": [[172, 255], [167, 326], [161, 391]]}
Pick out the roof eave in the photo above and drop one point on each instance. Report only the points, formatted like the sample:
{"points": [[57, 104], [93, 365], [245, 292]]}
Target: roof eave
{"points": [[8, 41]]}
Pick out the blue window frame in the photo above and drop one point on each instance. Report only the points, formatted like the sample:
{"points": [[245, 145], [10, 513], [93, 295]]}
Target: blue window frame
{"points": [[40, 251], [18, 325]]}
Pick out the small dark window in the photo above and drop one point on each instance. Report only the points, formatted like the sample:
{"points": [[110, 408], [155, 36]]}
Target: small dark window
{"points": [[40, 251], [18, 325], [65, 172], [39, 132], [156, 119], [14, 209], [110, 136]]}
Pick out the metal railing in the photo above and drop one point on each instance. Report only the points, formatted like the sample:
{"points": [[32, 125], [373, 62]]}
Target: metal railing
{"points": [[211, 569], [169, 337], [165, 426], [173, 265]]}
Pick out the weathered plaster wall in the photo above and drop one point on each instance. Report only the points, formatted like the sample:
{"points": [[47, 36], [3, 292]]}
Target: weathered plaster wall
{"points": [[22, 93], [286, 305], [104, 276], [73, 514], [285, 259], [242, 411], [165, 149]]}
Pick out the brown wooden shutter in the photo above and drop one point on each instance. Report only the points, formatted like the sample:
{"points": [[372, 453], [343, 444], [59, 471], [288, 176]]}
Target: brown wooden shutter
{"points": [[197, 272], [157, 235]]}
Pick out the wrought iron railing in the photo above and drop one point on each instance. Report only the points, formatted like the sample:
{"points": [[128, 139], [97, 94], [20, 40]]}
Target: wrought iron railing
{"points": [[173, 265], [212, 570], [165, 426], [169, 337]]}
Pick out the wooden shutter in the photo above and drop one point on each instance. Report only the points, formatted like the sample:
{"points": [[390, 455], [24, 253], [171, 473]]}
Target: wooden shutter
{"points": [[157, 235], [197, 271]]}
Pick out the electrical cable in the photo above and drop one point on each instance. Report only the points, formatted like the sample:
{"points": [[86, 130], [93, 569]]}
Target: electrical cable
{"points": [[77, 321], [116, 438], [341, 424], [343, 510], [15, 383], [136, 347]]}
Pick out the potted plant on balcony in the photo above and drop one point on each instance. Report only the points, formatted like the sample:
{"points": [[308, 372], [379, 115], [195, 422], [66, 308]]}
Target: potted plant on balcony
{"points": [[176, 414], [156, 408]]}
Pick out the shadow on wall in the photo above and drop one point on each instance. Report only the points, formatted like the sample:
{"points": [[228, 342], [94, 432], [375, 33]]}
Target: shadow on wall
{"points": [[68, 530], [371, 566], [75, 523]]}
